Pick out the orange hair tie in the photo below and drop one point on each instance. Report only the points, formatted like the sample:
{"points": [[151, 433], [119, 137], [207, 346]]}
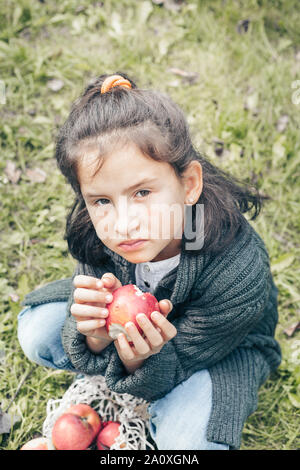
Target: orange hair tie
{"points": [[114, 80]]}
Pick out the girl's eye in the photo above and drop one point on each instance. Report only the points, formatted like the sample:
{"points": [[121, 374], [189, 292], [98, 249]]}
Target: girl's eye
{"points": [[107, 200], [102, 199], [144, 191]]}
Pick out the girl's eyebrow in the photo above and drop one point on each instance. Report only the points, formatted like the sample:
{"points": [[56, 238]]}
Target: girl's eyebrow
{"points": [[145, 180]]}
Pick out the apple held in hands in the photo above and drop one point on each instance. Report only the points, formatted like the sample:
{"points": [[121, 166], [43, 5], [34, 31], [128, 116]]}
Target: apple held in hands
{"points": [[128, 301], [76, 428]]}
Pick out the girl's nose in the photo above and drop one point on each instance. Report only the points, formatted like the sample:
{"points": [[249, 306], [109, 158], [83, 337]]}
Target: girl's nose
{"points": [[125, 225]]}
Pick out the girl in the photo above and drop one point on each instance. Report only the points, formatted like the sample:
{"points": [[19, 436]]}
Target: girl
{"points": [[128, 155]]}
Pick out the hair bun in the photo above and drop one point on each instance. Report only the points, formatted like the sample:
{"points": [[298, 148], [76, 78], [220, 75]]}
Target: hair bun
{"points": [[113, 81]]}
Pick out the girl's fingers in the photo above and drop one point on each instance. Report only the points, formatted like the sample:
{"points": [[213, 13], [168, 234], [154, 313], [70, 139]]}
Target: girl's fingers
{"points": [[82, 295], [84, 310], [124, 348], [110, 281], [89, 282], [87, 326], [140, 344], [165, 306], [151, 332], [167, 329]]}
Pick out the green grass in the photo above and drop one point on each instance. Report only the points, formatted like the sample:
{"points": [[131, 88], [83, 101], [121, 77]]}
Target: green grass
{"points": [[243, 88]]}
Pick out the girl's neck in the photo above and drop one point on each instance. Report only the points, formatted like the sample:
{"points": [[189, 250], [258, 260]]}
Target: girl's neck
{"points": [[173, 249]]}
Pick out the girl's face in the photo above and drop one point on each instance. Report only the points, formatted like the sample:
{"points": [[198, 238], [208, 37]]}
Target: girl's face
{"points": [[133, 197]]}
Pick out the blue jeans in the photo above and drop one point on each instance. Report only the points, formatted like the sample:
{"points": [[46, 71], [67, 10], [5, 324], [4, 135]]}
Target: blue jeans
{"points": [[178, 421]]}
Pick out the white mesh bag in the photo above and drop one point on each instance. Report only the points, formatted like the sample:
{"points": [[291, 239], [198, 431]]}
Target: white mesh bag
{"points": [[130, 411]]}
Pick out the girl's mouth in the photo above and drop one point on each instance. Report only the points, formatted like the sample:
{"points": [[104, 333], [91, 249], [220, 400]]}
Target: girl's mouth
{"points": [[132, 245]]}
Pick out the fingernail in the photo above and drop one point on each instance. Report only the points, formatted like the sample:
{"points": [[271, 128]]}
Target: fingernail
{"points": [[155, 315], [141, 317], [109, 298]]}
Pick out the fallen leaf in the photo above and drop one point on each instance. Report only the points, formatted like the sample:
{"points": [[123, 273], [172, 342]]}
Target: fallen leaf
{"points": [[282, 123], [34, 241], [242, 26], [2, 357], [173, 5], [251, 102], [279, 151], [7, 421], [36, 175], [291, 329], [12, 173], [282, 262], [55, 84], [142, 411], [218, 146], [191, 77], [294, 399], [14, 297]]}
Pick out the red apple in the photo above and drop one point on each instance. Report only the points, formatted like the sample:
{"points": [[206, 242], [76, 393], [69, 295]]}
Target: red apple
{"points": [[88, 413], [108, 435], [128, 301], [76, 428], [39, 443]]}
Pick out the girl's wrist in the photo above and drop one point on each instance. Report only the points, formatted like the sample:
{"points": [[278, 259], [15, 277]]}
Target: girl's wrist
{"points": [[96, 345], [131, 367]]}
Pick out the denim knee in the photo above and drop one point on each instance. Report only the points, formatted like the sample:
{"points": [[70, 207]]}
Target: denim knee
{"points": [[39, 329], [178, 421]]}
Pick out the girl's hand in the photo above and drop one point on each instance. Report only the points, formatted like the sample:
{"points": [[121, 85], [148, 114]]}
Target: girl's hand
{"points": [[90, 298], [157, 332]]}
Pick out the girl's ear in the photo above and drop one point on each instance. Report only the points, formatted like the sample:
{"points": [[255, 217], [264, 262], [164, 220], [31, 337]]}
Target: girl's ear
{"points": [[193, 182]]}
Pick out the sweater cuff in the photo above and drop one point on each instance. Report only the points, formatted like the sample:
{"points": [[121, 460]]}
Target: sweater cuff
{"points": [[81, 357], [151, 381]]}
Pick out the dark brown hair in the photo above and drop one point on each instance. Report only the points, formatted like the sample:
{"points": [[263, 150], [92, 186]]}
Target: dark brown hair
{"points": [[152, 121]]}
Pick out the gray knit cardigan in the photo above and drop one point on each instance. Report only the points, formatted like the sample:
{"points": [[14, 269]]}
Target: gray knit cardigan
{"points": [[225, 312]]}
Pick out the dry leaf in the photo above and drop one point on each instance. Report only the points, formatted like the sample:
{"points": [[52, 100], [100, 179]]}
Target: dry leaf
{"points": [[2, 357], [11, 172], [142, 411], [191, 77], [218, 146], [7, 421], [36, 175], [251, 102], [291, 329], [173, 5], [282, 123], [55, 84], [14, 297], [242, 26]]}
